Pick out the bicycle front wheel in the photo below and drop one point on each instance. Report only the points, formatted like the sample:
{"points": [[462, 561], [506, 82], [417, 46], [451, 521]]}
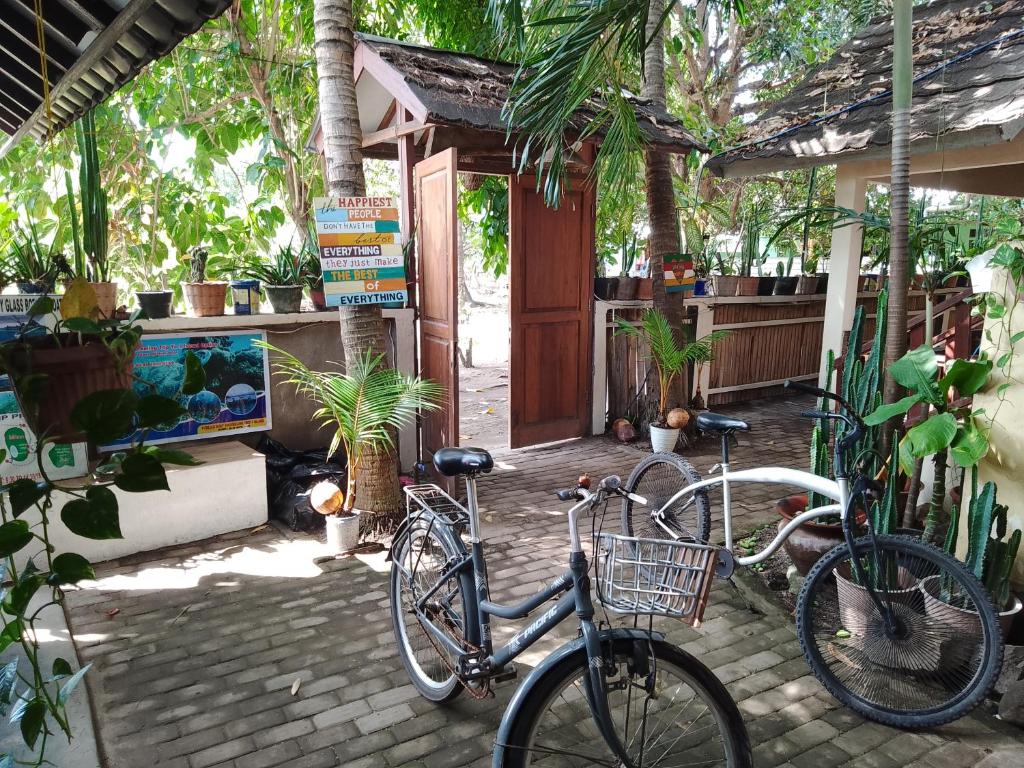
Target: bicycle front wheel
{"points": [[927, 657], [658, 478], [674, 712]]}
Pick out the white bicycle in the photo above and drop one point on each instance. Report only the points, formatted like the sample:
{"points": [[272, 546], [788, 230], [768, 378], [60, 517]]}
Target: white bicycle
{"points": [[893, 627]]}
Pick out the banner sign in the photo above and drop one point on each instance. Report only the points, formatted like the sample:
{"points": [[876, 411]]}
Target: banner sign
{"points": [[360, 250], [236, 399], [679, 274], [14, 315]]}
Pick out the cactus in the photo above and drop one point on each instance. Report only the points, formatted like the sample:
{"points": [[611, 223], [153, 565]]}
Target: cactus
{"points": [[94, 224], [821, 464], [197, 265]]}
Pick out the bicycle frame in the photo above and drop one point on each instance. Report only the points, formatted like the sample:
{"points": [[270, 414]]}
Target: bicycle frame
{"points": [[837, 490]]}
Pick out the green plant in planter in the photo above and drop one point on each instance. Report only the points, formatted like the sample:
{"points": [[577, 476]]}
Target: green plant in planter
{"points": [[284, 268], [781, 271], [90, 234], [628, 251], [32, 263], [35, 574], [990, 558], [750, 250]]}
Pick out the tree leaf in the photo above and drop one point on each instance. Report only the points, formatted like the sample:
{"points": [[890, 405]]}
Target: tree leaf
{"points": [[79, 300], [933, 434], [154, 410], [23, 494], [970, 444], [195, 376], [32, 721], [42, 306], [966, 377], [95, 516], [69, 687], [106, 415], [70, 568], [907, 459], [886, 412], [916, 371], [14, 535], [81, 325], [170, 456], [140, 472]]}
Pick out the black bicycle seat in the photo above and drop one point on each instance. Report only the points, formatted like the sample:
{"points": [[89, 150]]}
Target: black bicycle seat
{"points": [[462, 461], [716, 422]]}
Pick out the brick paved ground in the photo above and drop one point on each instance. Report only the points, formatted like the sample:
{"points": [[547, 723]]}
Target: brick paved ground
{"points": [[197, 666]]}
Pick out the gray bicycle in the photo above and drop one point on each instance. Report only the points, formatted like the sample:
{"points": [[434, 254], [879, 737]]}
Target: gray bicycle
{"points": [[621, 697]]}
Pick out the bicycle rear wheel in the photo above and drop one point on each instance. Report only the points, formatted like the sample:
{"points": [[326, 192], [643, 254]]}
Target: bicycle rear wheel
{"points": [[658, 478], [931, 664], [674, 713]]}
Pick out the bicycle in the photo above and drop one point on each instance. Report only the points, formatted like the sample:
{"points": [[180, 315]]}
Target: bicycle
{"points": [[621, 697], [894, 628]]}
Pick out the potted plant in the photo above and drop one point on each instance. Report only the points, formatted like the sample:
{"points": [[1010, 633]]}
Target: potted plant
{"points": [[312, 271], [670, 360], [90, 234], [155, 304], [750, 254], [363, 407], [282, 279], [808, 282], [80, 354], [203, 298], [785, 282], [724, 283], [626, 287], [32, 265]]}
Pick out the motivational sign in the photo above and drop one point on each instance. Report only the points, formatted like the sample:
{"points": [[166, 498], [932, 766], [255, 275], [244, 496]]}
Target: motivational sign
{"points": [[360, 250]]}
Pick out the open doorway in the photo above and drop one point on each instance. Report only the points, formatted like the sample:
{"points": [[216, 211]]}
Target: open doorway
{"points": [[483, 286]]}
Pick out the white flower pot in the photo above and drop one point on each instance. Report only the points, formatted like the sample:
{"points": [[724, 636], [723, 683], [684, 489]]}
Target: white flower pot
{"points": [[663, 439], [342, 532]]}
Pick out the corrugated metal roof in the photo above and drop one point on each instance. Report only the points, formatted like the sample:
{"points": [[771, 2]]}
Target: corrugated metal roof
{"points": [[92, 49], [970, 62]]}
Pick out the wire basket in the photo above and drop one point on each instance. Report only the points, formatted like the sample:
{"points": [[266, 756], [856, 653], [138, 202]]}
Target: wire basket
{"points": [[653, 576], [432, 498]]}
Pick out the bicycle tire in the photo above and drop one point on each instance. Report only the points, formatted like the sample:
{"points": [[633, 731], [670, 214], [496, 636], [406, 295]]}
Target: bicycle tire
{"points": [[888, 677], [521, 744], [657, 478], [437, 688]]}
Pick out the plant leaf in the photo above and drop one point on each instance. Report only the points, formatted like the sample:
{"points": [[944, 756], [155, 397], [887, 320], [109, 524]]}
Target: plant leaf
{"points": [[916, 371], [170, 456], [70, 568], [969, 445], [14, 535], [106, 415], [32, 721], [933, 434], [95, 516], [61, 668], [966, 377], [79, 300], [154, 410], [886, 412], [69, 687], [140, 472], [23, 494]]}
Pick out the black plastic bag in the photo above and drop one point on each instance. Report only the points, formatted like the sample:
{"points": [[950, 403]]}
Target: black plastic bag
{"points": [[291, 475]]}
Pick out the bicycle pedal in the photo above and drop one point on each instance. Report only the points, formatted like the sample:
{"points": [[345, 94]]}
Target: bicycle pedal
{"points": [[509, 672], [474, 666]]}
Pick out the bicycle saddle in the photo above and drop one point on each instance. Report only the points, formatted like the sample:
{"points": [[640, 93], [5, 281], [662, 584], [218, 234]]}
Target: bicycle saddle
{"points": [[716, 422], [462, 461]]}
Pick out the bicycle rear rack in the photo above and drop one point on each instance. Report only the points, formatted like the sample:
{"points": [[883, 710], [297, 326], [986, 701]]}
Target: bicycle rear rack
{"points": [[433, 499]]}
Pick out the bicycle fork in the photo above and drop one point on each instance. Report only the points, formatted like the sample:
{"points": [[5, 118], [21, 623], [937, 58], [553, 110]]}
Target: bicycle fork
{"points": [[861, 488]]}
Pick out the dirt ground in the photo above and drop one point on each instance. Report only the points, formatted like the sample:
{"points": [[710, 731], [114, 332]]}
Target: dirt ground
{"points": [[483, 388]]}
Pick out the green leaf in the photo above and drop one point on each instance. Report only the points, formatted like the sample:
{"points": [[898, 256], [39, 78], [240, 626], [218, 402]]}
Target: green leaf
{"points": [[69, 687], [1004, 359], [140, 472], [170, 456], [1017, 337], [70, 568], [81, 325], [154, 410], [21, 594], [1002, 388], [42, 306], [195, 376], [933, 434], [61, 668], [32, 721], [969, 445], [95, 516], [106, 415], [886, 412], [23, 494], [11, 634], [966, 377], [916, 371], [14, 535]]}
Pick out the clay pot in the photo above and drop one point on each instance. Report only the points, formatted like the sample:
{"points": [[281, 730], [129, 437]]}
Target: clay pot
{"points": [[810, 541], [747, 286], [786, 286], [106, 298], [319, 299], [858, 612], [765, 286], [645, 289], [626, 289], [605, 287], [806, 285], [724, 285], [205, 299], [960, 620]]}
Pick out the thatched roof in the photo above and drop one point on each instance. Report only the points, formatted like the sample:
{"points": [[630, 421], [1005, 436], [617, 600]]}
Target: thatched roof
{"points": [[969, 89]]}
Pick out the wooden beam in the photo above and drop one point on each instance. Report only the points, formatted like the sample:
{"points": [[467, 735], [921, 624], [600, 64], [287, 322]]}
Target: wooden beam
{"points": [[389, 115], [394, 132]]}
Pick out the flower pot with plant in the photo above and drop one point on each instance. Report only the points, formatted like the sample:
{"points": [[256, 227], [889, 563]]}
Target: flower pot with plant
{"points": [[32, 265], [282, 279], [785, 283], [203, 298], [669, 360], [808, 282], [750, 256], [363, 407], [312, 272], [627, 286]]}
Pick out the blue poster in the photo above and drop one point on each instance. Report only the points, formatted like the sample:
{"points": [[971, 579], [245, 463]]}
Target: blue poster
{"points": [[236, 399]]}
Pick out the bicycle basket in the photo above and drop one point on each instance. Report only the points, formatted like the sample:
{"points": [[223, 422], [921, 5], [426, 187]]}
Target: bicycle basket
{"points": [[653, 576]]}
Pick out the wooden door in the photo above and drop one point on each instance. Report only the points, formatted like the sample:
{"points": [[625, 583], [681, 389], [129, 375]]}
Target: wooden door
{"points": [[551, 288], [438, 247]]}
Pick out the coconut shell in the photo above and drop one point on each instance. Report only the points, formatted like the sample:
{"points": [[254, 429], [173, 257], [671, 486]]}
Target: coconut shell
{"points": [[624, 431], [678, 418], [326, 497]]}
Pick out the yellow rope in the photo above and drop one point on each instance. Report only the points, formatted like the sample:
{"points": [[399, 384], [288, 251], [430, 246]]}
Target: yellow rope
{"points": [[43, 70]]}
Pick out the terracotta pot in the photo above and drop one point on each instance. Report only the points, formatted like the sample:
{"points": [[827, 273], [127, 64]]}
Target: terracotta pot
{"points": [[285, 299], [724, 285], [72, 373], [645, 289], [810, 541], [626, 289], [786, 286], [106, 298], [806, 285], [962, 621], [205, 299], [319, 299], [747, 286], [765, 286]]}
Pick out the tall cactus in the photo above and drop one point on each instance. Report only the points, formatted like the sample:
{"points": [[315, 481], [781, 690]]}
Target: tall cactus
{"points": [[95, 212]]}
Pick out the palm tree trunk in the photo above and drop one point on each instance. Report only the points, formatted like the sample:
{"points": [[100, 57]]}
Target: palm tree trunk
{"points": [[902, 92], [362, 328], [661, 202]]}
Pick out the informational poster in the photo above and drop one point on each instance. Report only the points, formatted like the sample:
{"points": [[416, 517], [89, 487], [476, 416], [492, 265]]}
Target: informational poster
{"points": [[679, 274], [236, 399], [360, 250], [14, 317]]}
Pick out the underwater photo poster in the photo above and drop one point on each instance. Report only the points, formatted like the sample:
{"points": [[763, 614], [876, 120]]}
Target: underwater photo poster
{"points": [[236, 399]]}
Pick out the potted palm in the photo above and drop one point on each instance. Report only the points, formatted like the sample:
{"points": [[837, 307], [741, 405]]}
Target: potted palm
{"points": [[203, 298], [363, 407], [670, 360], [282, 279]]}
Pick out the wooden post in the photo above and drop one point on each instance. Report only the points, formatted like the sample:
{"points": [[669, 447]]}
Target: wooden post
{"points": [[843, 268], [407, 207]]}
